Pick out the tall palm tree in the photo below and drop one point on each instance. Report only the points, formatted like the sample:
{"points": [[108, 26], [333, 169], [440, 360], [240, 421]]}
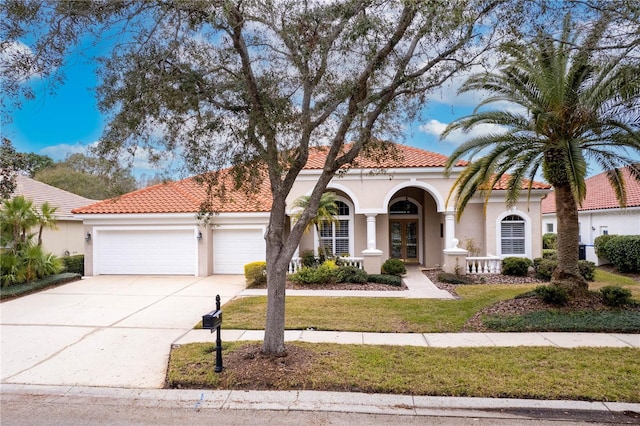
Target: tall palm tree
{"points": [[46, 219], [580, 106], [327, 215]]}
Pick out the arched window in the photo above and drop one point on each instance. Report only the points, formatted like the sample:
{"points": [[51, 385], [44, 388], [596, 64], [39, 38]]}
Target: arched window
{"points": [[335, 237], [403, 207], [512, 235]]}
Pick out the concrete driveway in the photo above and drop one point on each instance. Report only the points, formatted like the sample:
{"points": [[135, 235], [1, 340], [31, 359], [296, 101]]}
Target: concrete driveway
{"points": [[113, 331]]}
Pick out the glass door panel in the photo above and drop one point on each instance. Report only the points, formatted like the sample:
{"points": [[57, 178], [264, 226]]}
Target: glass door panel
{"points": [[411, 241], [396, 240]]}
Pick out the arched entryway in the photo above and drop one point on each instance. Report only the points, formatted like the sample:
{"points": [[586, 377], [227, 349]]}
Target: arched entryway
{"points": [[415, 227]]}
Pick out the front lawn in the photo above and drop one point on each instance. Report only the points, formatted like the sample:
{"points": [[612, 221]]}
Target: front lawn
{"points": [[373, 314], [602, 374]]}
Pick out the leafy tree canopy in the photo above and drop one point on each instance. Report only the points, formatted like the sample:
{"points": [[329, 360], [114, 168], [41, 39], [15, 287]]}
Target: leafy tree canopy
{"points": [[87, 176]]}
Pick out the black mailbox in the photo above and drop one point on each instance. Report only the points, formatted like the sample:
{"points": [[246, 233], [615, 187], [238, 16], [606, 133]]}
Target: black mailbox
{"points": [[212, 320]]}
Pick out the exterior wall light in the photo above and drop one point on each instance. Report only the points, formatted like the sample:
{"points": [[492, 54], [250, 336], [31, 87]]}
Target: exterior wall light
{"points": [[199, 235], [87, 238]]}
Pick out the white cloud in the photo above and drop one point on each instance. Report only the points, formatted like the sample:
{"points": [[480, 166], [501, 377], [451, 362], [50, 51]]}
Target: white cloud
{"points": [[61, 151], [435, 128], [16, 61]]}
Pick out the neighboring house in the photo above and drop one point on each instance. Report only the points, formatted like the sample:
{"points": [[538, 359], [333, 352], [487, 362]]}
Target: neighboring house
{"points": [[393, 209], [68, 237], [600, 213]]}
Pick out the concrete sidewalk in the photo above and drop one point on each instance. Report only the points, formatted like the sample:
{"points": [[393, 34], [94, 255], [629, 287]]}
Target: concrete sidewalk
{"points": [[435, 340]]}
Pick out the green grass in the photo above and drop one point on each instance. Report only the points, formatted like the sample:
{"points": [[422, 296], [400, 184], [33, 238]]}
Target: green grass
{"points": [[44, 283], [602, 374], [372, 314]]}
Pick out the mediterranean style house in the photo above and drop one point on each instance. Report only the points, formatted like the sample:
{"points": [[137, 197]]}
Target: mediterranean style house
{"points": [[600, 213], [68, 236], [393, 208]]}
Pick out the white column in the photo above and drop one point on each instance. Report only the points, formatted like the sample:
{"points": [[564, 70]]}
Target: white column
{"points": [[449, 228], [371, 231], [372, 257]]}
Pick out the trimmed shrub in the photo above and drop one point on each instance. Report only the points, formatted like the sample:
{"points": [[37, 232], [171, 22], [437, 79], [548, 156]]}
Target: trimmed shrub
{"points": [[550, 254], [394, 267], [323, 274], [308, 258], [552, 294], [74, 264], [544, 268], [518, 266], [549, 241], [351, 274], [385, 279], [255, 273], [587, 269], [600, 245], [453, 278], [624, 252], [614, 295]]}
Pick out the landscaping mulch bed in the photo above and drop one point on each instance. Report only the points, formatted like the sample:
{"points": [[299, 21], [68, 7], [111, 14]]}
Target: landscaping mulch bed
{"points": [[339, 286]]}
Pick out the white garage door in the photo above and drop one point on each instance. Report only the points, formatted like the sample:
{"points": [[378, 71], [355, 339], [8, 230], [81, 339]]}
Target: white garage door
{"points": [[146, 252], [234, 248]]}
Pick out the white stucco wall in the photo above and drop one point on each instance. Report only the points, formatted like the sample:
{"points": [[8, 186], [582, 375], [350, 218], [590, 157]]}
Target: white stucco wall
{"points": [[598, 222]]}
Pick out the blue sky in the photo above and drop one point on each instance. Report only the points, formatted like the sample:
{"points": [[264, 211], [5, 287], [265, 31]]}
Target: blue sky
{"points": [[68, 120]]}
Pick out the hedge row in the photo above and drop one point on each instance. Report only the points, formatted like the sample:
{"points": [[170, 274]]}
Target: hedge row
{"points": [[623, 251]]}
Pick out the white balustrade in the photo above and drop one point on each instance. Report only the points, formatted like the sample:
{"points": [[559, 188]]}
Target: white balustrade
{"points": [[296, 263], [484, 264]]}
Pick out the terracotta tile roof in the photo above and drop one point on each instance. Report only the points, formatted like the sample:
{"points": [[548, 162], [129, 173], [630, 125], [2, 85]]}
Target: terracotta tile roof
{"points": [[600, 194], [404, 157], [504, 180], [186, 195], [40, 192], [182, 196]]}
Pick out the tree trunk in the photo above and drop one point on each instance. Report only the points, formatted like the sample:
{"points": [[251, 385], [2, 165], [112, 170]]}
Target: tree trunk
{"points": [[567, 274], [277, 263]]}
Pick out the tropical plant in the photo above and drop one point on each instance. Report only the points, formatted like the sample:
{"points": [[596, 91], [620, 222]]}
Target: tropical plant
{"points": [[326, 216], [17, 217], [577, 106], [45, 219], [22, 260]]}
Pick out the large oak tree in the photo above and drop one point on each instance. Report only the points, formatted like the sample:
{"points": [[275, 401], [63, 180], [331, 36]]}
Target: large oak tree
{"points": [[228, 83]]}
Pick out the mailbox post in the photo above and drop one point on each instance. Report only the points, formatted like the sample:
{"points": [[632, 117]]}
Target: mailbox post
{"points": [[211, 321]]}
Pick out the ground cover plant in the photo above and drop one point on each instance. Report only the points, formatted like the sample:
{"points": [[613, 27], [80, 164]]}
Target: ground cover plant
{"points": [[23, 289], [603, 374]]}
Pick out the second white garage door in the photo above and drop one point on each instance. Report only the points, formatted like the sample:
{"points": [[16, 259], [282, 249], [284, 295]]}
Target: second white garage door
{"points": [[147, 252], [234, 248]]}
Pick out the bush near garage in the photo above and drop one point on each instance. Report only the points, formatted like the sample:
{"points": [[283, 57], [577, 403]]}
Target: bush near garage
{"points": [[624, 252], [74, 264], [600, 245], [255, 273]]}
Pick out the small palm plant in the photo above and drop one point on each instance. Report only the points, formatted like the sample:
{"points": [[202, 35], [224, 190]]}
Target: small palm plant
{"points": [[327, 215]]}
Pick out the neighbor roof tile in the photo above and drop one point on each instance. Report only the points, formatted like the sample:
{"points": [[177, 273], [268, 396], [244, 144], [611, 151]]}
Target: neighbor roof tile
{"points": [[600, 194]]}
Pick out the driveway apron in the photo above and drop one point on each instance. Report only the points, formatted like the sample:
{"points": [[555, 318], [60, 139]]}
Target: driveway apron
{"points": [[112, 331]]}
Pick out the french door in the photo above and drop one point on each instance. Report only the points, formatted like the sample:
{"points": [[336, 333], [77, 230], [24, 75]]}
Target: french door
{"points": [[404, 239]]}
